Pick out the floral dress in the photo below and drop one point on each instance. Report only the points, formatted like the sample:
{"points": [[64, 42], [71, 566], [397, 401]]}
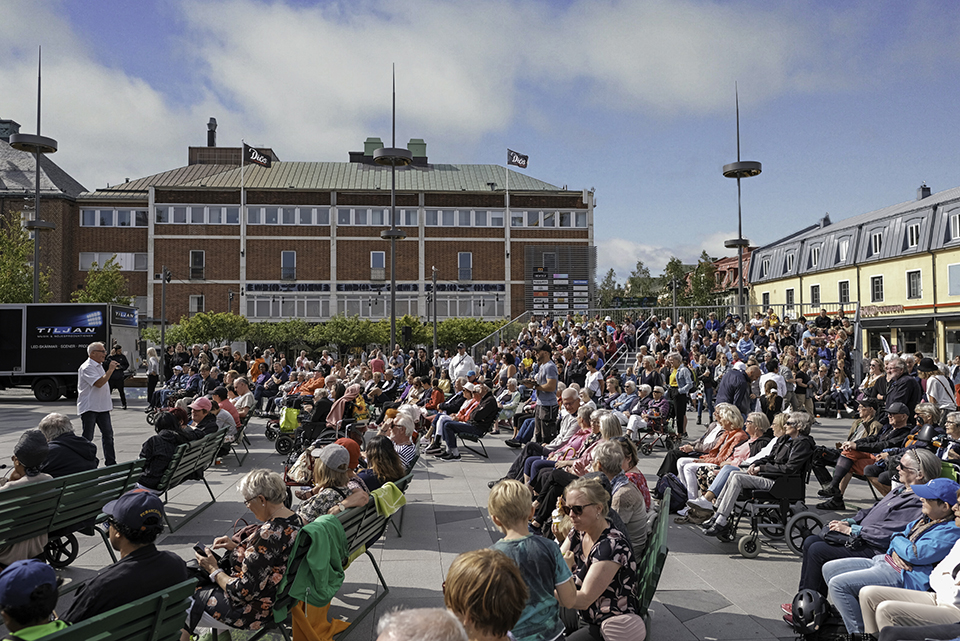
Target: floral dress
{"points": [[258, 564], [619, 597]]}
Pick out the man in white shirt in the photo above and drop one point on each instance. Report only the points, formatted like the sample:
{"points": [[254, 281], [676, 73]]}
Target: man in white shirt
{"points": [[93, 399], [244, 401], [461, 363], [773, 374]]}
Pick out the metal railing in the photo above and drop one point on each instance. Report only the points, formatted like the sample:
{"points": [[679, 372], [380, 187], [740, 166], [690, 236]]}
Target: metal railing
{"points": [[505, 334]]}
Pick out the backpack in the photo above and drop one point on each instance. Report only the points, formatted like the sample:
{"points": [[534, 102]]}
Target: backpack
{"points": [[678, 492]]}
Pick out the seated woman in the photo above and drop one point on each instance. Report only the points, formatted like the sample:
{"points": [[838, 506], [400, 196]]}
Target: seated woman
{"points": [[630, 462], [714, 477], [883, 606], [334, 490], [508, 401], [612, 393], [866, 424], [604, 568], [158, 450], [243, 595], [909, 559], [383, 463], [733, 435], [840, 391], [626, 500], [949, 449], [28, 456], [587, 434], [771, 402]]}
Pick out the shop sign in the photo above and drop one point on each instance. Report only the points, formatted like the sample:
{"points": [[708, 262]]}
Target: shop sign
{"points": [[871, 311]]}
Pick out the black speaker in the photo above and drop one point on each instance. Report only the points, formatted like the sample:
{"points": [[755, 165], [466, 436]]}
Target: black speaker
{"points": [[407, 332]]}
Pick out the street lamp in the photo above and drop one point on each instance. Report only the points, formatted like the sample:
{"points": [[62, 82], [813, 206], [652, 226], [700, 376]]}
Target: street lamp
{"points": [[394, 157], [738, 170]]}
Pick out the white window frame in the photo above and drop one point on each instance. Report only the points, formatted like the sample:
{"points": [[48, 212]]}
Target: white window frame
{"points": [[115, 217], [126, 260], [873, 297], [815, 256], [202, 267], [495, 213], [764, 267], [876, 243], [955, 226], [196, 304], [383, 259], [840, 297], [913, 235], [919, 274], [789, 261], [843, 249]]}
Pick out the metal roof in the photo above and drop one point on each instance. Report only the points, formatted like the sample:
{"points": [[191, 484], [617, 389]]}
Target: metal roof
{"points": [[339, 176], [18, 174]]}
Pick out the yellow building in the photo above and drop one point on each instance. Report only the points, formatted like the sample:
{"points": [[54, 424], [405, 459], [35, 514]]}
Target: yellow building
{"points": [[900, 263]]}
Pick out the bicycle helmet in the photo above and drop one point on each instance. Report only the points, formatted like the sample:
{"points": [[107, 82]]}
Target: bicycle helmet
{"points": [[928, 434], [809, 611]]}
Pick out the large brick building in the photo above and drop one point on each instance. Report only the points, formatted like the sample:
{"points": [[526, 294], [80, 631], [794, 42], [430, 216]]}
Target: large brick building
{"points": [[309, 246]]}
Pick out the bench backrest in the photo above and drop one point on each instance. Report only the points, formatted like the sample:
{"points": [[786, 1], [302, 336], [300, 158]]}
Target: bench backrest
{"points": [[362, 525], [403, 483], [45, 506], [192, 457], [654, 557], [158, 617]]}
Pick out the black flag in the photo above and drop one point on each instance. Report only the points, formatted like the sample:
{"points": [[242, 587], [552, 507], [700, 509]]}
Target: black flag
{"points": [[513, 158], [251, 155]]}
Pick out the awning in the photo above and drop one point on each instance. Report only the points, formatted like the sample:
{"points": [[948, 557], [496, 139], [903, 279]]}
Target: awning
{"points": [[897, 322]]}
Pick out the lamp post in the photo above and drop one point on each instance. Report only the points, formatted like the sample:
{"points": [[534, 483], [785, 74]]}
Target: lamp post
{"points": [[738, 170], [394, 157]]}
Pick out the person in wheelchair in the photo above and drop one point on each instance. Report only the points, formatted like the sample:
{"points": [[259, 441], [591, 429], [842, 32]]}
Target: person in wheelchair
{"points": [[791, 456]]}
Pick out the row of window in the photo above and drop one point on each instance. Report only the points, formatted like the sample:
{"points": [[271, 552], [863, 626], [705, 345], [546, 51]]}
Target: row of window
{"points": [[365, 306], [914, 291]]}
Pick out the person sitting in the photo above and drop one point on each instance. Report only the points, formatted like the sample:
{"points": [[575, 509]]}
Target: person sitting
{"points": [[135, 521], [28, 456], [485, 590], [204, 421], [383, 463], [158, 450], [334, 491], [923, 435], [508, 401], [28, 597], [479, 423], [540, 561], [863, 426], [855, 456], [697, 448], [243, 594], [244, 401], [635, 420], [790, 456], [909, 559], [603, 565], [626, 499], [625, 402], [771, 403], [68, 453], [416, 624], [732, 436]]}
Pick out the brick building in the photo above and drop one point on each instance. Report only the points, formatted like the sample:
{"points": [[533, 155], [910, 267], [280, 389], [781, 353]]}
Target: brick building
{"points": [[309, 246]]}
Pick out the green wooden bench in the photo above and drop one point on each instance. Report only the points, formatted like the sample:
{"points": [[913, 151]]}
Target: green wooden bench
{"points": [[189, 462], [396, 519], [651, 563], [158, 617], [62, 505]]}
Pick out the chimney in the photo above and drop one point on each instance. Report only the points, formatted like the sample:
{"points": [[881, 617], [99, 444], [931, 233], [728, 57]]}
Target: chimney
{"points": [[8, 128], [824, 221], [212, 133], [370, 145], [923, 192]]}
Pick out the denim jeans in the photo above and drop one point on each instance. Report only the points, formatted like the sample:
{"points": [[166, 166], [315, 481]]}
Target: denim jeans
{"points": [[705, 402], [721, 479], [89, 420], [525, 433], [844, 579]]}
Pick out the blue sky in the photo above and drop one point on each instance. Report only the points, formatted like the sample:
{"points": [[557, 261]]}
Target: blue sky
{"points": [[849, 106]]}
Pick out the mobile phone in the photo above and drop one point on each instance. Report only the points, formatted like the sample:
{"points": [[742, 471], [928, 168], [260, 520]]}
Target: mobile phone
{"points": [[199, 549]]}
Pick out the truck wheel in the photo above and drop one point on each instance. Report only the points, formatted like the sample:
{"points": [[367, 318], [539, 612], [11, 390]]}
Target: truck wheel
{"points": [[46, 390]]}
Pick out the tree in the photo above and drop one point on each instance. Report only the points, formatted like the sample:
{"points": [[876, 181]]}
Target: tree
{"points": [[16, 273], [675, 275], [703, 282], [608, 288], [640, 283], [214, 327], [104, 284]]}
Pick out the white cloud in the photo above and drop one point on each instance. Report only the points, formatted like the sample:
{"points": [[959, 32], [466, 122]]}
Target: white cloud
{"points": [[622, 254]]}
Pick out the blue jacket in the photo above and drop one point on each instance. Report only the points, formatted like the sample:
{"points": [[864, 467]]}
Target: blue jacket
{"points": [[925, 552], [684, 380]]}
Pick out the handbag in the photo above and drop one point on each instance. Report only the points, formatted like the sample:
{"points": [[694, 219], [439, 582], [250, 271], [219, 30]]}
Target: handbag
{"points": [[623, 627]]}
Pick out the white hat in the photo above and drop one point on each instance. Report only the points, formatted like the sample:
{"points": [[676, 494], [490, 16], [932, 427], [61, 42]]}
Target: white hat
{"points": [[469, 387]]}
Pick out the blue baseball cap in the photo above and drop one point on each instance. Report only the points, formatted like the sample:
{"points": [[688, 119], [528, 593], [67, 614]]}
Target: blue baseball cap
{"points": [[137, 510], [942, 489], [21, 578]]}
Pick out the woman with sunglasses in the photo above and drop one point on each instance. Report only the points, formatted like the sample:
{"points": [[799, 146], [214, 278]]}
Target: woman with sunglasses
{"points": [[603, 565]]}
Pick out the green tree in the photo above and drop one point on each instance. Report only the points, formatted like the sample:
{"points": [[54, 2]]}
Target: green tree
{"points": [[608, 288], [675, 275], [640, 283], [343, 332], [104, 284], [214, 327], [468, 330], [16, 273], [703, 282]]}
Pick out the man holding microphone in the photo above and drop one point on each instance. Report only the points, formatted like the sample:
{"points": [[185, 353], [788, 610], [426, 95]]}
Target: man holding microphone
{"points": [[94, 402]]}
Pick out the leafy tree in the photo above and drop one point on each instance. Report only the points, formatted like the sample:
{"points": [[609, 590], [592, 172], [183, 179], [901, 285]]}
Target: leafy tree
{"points": [[703, 282], [640, 283], [468, 330], [608, 288], [16, 274], [104, 284], [343, 332], [214, 327], [675, 274]]}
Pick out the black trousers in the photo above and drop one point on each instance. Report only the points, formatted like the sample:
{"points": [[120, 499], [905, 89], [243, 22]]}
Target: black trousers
{"points": [[530, 449], [669, 463], [550, 484], [816, 552]]}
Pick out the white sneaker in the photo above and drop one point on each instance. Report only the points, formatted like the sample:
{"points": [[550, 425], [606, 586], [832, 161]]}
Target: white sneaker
{"points": [[702, 503], [683, 512]]}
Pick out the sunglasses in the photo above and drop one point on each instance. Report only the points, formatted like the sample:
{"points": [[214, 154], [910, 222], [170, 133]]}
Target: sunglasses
{"points": [[576, 510]]}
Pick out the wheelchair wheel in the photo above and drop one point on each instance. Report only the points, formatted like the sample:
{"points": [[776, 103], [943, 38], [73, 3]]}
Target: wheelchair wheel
{"points": [[769, 523], [61, 551], [749, 546], [646, 449], [152, 418], [799, 527], [284, 444], [669, 443], [271, 431]]}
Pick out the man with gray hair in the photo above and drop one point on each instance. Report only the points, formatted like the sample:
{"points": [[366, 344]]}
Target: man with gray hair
{"points": [[68, 453], [93, 399], [901, 387], [421, 624]]}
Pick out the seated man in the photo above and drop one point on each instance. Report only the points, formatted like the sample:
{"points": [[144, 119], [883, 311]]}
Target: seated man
{"points": [[219, 395], [790, 456], [480, 422], [244, 401], [28, 596], [69, 453], [570, 402], [136, 520]]}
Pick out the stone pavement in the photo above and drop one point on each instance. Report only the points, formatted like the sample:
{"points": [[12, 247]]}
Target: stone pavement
{"points": [[707, 591]]}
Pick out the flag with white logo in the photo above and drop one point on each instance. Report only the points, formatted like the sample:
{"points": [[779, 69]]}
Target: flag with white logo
{"points": [[252, 155], [513, 158]]}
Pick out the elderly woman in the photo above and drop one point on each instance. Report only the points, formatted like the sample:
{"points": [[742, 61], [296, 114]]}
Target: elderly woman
{"points": [[612, 395], [334, 490], [28, 456], [69, 453], [939, 390], [604, 567], [244, 593], [626, 499], [624, 403], [909, 559], [950, 447], [733, 435], [508, 401], [635, 421]]}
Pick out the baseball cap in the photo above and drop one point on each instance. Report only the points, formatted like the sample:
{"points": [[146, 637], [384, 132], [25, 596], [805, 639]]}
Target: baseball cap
{"points": [[352, 448], [31, 449], [898, 408], [137, 510], [942, 489], [179, 367], [21, 578], [334, 456], [461, 345], [544, 346], [202, 403], [471, 373]]}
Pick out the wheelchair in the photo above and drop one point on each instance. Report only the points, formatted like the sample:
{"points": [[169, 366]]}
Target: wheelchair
{"points": [[658, 431], [777, 513]]}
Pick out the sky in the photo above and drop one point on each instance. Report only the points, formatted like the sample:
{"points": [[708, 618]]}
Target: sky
{"points": [[849, 106]]}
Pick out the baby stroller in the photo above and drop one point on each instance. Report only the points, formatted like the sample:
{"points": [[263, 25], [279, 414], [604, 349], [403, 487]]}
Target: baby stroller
{"points": [[658, 434]]}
